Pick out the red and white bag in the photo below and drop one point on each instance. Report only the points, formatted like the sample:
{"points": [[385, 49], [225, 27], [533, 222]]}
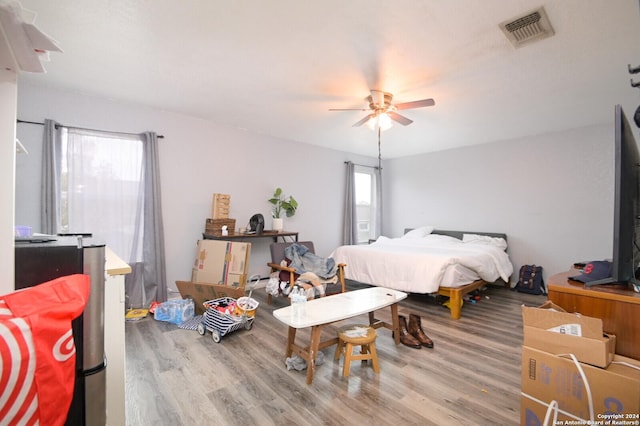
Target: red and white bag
{"points": [[37, 352]]}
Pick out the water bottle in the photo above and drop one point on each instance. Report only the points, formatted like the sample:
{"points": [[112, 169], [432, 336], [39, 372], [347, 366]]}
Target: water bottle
{"points": [[298, 300], [292, 298], [302, 302]]}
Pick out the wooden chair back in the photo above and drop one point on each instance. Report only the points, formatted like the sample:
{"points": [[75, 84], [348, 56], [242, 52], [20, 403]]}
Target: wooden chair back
{"points": [[277, 249]]}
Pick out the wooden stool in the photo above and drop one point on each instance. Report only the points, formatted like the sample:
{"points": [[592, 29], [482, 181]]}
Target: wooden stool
{"points": [[367, 345]]}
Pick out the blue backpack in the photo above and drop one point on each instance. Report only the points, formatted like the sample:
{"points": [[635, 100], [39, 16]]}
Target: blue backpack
{"points": [[530, 280]]}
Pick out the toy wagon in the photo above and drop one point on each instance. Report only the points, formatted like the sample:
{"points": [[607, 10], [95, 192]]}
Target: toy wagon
{"points": [[226, 314], [220, 320]]}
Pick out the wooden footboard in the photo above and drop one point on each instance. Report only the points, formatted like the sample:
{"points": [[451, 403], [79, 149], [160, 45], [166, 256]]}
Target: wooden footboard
{"points": [[455, 296]]}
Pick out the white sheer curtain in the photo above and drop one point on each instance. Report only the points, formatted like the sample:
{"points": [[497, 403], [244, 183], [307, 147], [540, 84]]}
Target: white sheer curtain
{"points": [[107, 184], [104, 188]]}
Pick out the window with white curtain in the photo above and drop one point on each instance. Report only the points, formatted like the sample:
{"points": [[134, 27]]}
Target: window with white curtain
{"points": [[101, 188], [108, 184], [366, 203]]}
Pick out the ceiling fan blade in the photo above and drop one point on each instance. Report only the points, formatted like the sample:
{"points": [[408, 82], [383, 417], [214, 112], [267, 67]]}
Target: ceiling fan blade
{"points": [[364, 120], [415, 104], [348, 109], [399, 118]]}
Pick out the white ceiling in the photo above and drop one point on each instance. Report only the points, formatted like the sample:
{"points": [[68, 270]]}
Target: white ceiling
{"points": [[275, 67]]}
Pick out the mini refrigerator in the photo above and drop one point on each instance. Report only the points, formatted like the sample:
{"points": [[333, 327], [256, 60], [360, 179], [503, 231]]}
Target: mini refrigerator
{"points": [[41, 260]]}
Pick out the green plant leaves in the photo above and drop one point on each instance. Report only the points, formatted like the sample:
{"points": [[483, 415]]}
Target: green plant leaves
{"points": [[281, 203]]}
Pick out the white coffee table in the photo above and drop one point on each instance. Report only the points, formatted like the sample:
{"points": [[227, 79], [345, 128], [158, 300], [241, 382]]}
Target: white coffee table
{"points": [[326, 310]]}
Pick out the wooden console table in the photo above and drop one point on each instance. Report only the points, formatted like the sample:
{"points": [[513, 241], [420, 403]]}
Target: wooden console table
{"points": [[617, 305], [245, 236]]}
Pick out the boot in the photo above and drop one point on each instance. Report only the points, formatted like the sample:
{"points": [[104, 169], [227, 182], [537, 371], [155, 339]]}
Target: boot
{"points": [[406, 338], [415, 329]]}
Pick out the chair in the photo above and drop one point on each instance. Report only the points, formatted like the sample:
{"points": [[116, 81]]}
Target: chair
{"points": [[290, 274], [347, 343]]}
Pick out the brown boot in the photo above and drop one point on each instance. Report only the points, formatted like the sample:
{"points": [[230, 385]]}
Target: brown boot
{"points": [[406, 338], [415, 329]]}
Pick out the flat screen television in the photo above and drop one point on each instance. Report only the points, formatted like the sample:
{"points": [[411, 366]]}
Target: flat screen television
{"points": [[626, 219]]}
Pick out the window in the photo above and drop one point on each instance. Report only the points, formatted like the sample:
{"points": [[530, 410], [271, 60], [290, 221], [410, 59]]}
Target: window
{"points": [[366, 203], [101, 188], [107, 184]]}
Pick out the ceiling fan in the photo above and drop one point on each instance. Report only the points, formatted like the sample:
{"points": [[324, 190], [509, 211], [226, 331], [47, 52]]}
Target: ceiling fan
{"points": [[382, 111]]}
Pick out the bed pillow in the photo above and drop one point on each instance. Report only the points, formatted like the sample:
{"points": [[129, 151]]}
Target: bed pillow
{"points": [[501, 243], [419, 232], [439, 238]]}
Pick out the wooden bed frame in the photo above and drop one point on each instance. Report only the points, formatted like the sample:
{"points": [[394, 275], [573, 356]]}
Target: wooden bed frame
{"points": [[455, 295]]}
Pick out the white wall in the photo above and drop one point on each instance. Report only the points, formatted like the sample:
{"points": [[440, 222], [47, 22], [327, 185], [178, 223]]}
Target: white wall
{"points": [[8, 96], [551, 194], [197, 158]]}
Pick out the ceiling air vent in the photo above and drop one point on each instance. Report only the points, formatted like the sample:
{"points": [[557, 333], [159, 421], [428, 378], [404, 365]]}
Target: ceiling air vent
{"points": [[524, 29]]}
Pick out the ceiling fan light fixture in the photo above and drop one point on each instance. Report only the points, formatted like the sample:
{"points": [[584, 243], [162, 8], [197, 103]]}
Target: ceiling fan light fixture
{"points": [[382, 113], [381, 121], [384, 121], [371, 123]]}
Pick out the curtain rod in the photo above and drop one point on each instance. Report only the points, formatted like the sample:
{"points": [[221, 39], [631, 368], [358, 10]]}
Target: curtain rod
{"points": [[362, 165], [82, 128]]}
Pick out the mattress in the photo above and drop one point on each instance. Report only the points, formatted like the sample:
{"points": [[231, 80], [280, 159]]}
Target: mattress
{"points": [[457, 275], [422, 265]]}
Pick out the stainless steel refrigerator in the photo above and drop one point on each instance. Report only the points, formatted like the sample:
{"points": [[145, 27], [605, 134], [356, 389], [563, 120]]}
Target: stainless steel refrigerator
{"points": [[38, 260]]}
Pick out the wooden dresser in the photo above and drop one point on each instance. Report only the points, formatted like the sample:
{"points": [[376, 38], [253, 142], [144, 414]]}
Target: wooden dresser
{"points": [[617, 305]]}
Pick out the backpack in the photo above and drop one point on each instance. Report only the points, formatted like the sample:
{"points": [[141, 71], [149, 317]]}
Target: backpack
{"points": [[530, 280]]}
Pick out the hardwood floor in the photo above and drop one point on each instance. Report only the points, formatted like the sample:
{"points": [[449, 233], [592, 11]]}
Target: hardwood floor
{"points": [[470, 377]]}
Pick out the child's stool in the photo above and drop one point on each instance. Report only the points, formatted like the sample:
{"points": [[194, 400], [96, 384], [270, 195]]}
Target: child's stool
{"points": [[357, 335]]}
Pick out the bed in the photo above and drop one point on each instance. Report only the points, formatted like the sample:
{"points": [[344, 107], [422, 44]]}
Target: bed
{"points": [[430, 261]]}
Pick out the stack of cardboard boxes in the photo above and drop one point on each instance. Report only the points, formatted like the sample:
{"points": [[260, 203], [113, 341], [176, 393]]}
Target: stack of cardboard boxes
{"points": [[221, 267], [608, 393], [220, 270], [220, 207]]}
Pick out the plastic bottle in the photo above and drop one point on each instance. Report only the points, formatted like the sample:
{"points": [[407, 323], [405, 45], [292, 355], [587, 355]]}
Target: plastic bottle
{"points": [[303, 302], [298, 303], [295, 304]]}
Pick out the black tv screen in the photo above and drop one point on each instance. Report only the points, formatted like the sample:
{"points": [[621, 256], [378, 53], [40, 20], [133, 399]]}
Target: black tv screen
{"points": [[626, 198]]}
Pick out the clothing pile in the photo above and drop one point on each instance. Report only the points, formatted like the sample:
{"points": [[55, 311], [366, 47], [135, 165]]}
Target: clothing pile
{"points": [[314, 272]]}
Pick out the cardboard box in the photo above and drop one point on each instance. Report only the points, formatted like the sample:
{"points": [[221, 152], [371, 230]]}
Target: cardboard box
{"points": [[238, 281], [220, 206], [201, 292], [592, 346], [547, 377], [222, 262]]}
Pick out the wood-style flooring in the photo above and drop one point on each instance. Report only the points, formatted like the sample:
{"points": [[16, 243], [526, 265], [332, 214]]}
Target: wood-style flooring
{"points": [[470, 377]]}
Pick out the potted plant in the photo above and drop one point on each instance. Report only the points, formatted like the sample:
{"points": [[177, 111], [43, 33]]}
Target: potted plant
{"points": [[282, 206]]}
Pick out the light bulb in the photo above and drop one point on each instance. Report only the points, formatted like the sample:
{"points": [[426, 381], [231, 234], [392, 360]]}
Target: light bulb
{"points": [[372, 123], [384, 121], [381, 120]]}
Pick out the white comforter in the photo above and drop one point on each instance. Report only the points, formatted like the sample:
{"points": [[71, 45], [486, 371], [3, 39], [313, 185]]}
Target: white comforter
{"points": [[418, 265]]}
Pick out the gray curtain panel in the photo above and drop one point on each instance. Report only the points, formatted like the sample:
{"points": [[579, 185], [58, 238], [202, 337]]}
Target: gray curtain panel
{"points": [[350, 228], [50, 184], [147, 281], [153, 241], [378, 173]]}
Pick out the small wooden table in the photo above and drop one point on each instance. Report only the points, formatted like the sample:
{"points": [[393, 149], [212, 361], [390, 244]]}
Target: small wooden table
{"points": [[617, 305], [329, 309], [242, 236]]}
